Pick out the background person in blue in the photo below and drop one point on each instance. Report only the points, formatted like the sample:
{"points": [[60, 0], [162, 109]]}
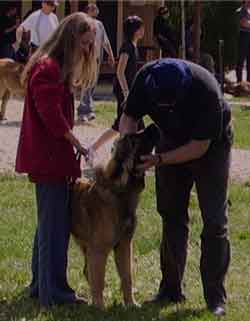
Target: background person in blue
{"points": [[185, 101]]}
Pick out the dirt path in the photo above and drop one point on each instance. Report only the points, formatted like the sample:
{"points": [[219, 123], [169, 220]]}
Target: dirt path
{"points": [[9, 133]]}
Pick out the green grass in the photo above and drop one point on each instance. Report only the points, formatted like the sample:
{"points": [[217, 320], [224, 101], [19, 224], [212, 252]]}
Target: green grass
{"points": [[241, 124], [106, 112], [17, 224]]}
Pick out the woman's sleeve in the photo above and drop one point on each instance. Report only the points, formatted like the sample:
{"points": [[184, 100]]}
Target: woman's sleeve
{"points": [[47, 92]]}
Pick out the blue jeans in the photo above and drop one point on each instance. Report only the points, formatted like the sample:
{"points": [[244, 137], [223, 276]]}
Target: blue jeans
{"points": [[87, 102], [49, 258]]}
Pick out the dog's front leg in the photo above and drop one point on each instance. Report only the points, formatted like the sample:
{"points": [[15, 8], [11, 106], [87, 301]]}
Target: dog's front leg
{"points": [[96, 274], [124, 259]]}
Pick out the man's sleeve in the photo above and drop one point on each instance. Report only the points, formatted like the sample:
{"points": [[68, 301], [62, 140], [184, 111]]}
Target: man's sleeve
{"points": [[56, 20], [47, 94], [209, 120], [105, 36], [28, 24], [137, 103]]}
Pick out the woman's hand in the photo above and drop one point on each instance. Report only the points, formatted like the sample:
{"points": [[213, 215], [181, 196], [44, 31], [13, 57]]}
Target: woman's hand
{"points": [[75, 142], [82, 150]]}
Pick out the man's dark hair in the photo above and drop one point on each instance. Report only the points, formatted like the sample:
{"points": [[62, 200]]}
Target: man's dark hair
{"points": [[162, 10], [131, 25]]}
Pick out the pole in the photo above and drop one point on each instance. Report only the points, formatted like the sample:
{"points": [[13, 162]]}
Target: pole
{"points": [[183, 30], [197, 30], [221, 64]]}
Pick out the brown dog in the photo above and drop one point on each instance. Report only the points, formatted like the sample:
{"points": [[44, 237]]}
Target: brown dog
{"points": [[10, 82], [104, 213]]}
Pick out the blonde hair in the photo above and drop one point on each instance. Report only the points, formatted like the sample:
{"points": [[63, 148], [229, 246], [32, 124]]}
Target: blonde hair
{"points": [[77, 68]]}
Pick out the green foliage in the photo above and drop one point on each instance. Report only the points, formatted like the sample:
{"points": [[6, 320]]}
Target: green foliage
{"points": [[241, 124], [219, 21]]}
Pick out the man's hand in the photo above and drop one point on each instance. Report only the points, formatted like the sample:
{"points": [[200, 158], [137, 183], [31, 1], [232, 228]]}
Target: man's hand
{"points": [[195, 149], [111, 61], [149, 161]]}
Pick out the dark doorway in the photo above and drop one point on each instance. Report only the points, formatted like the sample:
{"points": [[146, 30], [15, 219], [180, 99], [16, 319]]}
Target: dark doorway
{"points": [[108, 16], [5, 5]]}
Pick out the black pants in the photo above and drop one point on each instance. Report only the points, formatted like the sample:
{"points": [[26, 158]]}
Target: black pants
{"points": [[173, 187], [243, 54]]}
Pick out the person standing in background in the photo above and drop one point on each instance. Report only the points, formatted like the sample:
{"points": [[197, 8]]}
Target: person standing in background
{"points": [[164, 33], [40, 23], [244, 40], [86, 107], [133, 29], [8, 25]]}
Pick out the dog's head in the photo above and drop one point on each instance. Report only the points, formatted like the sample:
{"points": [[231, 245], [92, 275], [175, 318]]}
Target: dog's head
{"points": [[127, 153]]}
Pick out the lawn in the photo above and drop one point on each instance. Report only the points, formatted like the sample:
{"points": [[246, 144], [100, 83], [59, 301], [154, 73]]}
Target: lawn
{"points": [[241, 123], [17, 223]]}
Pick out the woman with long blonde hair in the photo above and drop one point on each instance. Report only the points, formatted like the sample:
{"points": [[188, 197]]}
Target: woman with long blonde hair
{"points": [[47, 145]]}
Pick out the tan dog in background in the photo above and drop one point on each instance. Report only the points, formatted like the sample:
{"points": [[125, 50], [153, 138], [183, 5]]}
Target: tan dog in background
{"points": [[104, 213], [10, 82]]}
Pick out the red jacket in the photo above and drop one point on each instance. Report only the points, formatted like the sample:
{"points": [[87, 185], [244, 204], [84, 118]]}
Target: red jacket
{"points": [[43, 152]]}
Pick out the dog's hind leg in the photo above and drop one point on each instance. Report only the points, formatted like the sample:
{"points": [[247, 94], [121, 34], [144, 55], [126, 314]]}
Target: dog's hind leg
{"points": [[123, 260], [5, 99], [96, 273]]}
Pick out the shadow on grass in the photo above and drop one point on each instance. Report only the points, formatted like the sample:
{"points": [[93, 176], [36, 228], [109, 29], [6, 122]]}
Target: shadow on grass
{"points": [[18, 308], [22, 307]]}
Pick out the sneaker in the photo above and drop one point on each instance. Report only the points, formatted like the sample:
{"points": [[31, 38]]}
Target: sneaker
{"points": [[218, 310], [91, 116], [83, 118]]}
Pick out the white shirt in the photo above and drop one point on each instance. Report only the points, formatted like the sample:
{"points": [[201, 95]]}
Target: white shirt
{"points": [[101, 39], [41, 26]]}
